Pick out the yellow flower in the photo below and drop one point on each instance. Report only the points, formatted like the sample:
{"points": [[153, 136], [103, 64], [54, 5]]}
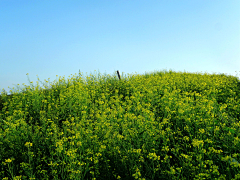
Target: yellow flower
{"points": [[28, 144], [201, 131], [8, 160], [197, 142]]}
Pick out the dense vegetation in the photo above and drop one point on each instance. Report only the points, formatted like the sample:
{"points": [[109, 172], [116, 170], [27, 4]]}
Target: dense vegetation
{"points": [[162, 125]]}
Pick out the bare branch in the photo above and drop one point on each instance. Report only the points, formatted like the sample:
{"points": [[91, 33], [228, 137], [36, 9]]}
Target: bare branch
{"points": [[118, 75]]}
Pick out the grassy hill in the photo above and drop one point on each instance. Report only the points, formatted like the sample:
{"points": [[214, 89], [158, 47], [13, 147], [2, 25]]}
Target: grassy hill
{"points": [[161, 125]]}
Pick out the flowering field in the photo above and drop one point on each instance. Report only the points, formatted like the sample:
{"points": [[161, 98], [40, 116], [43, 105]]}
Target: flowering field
{"points": [[163, 125]]}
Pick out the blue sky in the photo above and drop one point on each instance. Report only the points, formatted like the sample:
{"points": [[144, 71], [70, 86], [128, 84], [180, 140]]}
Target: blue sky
{"points": [[60, 37]]}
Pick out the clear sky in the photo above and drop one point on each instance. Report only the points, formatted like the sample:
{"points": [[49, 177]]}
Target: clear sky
{"points": [[60, 37]]}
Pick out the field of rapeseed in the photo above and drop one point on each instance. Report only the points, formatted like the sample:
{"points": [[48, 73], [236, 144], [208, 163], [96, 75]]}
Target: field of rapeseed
{"points": [[162, 125]]}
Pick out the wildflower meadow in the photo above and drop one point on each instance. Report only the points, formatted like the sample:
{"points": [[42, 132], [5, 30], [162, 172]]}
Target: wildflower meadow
{"points": [[161, 125]]}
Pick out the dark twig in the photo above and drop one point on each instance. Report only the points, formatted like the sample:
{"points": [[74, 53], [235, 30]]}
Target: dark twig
{"points": [[118, 75]]}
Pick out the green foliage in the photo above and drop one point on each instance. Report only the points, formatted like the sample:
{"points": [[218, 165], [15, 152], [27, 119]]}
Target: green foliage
{"points": [[161, 125]]}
